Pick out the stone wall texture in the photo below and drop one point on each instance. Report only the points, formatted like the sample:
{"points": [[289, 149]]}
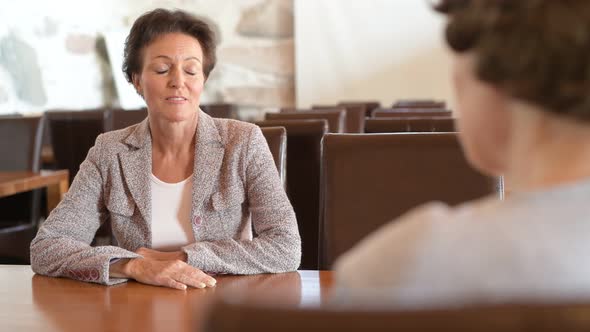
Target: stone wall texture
{"points": [[51, 54]]}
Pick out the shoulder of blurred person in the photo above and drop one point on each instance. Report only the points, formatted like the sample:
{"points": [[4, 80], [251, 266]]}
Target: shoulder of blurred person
{"points": [[485, 251]]}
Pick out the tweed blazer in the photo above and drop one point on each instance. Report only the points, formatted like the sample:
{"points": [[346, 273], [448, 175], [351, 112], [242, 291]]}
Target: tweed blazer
{"points": [[236, 188]]}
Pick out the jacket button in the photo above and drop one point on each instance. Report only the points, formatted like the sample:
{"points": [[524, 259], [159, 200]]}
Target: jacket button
{"points": [[197, 220]]}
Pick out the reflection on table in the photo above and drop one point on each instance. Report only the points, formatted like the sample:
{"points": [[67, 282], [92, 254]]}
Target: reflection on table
{"points": [[33, 302]]}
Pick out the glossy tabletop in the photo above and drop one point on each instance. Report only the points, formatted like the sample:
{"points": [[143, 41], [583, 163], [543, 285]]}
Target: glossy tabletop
{"points": [[56, 182], [30, 302]]}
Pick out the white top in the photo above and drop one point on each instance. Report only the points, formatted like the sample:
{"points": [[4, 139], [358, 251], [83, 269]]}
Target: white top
{"points": [[171, 210], [532, 246]]}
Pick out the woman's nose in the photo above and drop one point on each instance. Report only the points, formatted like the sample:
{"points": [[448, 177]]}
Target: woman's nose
{"points": [[176, 79]]}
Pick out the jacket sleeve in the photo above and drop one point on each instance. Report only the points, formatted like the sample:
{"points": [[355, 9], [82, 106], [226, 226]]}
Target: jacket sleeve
{"points": [[277, 246], [62, 245]]}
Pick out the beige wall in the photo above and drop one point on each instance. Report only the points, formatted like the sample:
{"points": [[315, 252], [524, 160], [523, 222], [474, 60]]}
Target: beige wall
{"points": [[379, 49]]}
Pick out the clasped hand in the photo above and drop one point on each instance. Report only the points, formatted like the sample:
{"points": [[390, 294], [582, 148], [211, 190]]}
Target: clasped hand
{"points": [[160, 268]]}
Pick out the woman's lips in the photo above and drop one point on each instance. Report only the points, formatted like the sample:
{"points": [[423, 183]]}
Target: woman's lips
{"points": [[176, 100]]}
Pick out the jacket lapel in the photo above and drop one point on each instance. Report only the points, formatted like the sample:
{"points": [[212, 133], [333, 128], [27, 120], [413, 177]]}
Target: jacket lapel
{"points": [[136, 164], [209, 153]]}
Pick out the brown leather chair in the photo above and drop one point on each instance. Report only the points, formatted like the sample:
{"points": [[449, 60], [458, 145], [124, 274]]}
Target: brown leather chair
{"points": [[233, 316], [444, 124], [120, 118], [419, 103], [369, 180], [221, 110], [410, 113], [355, 117], [400, 125], [369, 106], [336, 118], [20, 150], [73, 133], [303, 180], [276, 137]]}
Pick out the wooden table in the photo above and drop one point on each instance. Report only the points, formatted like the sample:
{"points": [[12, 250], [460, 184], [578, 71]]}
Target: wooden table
{"points": [[31, 302], [56, 182]]}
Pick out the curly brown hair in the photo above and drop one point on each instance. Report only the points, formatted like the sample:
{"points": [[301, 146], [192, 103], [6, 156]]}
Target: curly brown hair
{"points": [[534, 50], [155, 23]]}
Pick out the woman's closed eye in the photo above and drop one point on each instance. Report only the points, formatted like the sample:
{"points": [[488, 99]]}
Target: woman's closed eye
{"points": [[164, 71], [191, 70]]}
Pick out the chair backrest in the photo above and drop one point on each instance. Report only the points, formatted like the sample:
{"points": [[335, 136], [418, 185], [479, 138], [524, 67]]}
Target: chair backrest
{"points": [[419, 103], [336, 118], [444, 124], [276, 137], [369, 180], [120, 118], [221, 110], [369, 106], [303, 179], [73, 133], [20, 143], [20, 150], [400, 125], [410, 113], [232, 316], [355, 116], [11, 115]]}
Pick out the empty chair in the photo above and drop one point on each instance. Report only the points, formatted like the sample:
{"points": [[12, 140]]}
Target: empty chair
{"points": [[419, 103], [276, 137], [369, 180], [73, 133], [355, 117], [20, 150], [221, 110], [386, 125], [230, 316], [120, 118], [11, 115], [399, 125], [410, 113], [443, 124], [369, 106], [303, 179], [336, 118]]}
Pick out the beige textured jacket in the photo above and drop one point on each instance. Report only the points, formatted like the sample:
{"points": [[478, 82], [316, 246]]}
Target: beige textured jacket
{"points": [[236, 187]]}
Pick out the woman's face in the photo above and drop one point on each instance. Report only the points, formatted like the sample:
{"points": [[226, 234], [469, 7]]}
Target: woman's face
{"points": [[484, 118], [172, 79]]}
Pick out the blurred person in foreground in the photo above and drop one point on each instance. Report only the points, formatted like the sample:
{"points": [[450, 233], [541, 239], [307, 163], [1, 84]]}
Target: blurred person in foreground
{"points": [[522, 82]]}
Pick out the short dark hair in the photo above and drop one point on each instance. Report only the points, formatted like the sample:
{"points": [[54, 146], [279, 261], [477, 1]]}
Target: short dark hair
{"points": [[155, 23], [534, 50]]}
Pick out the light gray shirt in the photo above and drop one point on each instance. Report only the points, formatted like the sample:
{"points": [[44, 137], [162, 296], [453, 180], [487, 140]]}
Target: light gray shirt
{"points": [[532, 246]]}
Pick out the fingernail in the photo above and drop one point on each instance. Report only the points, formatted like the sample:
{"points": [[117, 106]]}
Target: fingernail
{"points": [[212, 282], [183, 287], [201, 285]]}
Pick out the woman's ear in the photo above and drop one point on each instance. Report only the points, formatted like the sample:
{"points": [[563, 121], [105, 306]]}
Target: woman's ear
{"points": [[135, 79]]}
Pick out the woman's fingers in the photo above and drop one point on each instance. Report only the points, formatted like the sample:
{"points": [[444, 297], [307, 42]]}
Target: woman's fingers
{"points": [[194, 277], [174, 274], [171, 283]]}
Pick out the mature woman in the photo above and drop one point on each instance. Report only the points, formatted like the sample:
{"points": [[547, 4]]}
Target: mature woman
{"points": [[522, 79], [182, 190]]}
